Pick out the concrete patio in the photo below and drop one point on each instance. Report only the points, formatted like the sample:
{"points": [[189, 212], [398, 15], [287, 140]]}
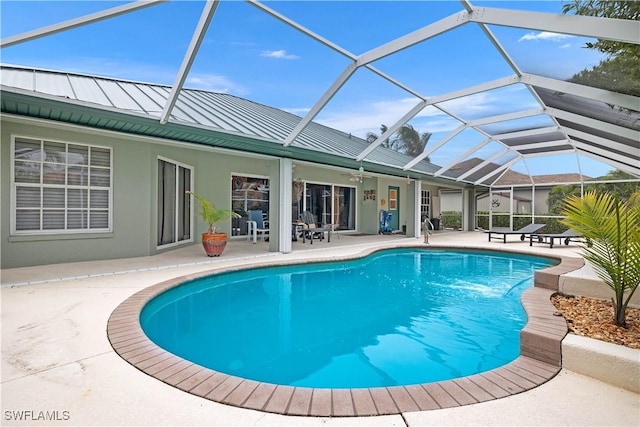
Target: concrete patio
{"points": [[57, 362]]}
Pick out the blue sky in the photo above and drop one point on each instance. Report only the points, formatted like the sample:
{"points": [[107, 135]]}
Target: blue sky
{"points": [[252, 55]]}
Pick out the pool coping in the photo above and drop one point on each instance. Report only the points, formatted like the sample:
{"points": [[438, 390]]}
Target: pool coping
{"points": [[540, 358]]}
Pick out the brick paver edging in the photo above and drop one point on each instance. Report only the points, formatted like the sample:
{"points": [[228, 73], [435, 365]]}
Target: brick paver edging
{"points": [[539, 361]]}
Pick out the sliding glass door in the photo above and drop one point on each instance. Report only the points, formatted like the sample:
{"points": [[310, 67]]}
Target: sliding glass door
{"points": [[330, 204], [174, 211], [344, 207], [318, 202]]}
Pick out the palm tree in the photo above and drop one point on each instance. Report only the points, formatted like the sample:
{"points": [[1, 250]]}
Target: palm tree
{"points": [[387, 143], [612, 228], [413, 143], [407, 140]]}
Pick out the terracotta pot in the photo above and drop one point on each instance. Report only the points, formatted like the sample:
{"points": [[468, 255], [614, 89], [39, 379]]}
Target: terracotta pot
{"points": [[214, 244]]}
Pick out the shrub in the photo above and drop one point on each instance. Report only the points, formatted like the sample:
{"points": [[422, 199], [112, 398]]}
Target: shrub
{"points": [[451, 219], [612, 228]]}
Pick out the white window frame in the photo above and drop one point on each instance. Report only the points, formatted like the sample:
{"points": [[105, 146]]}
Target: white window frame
{"points": [[189, 214], [62, 231]]}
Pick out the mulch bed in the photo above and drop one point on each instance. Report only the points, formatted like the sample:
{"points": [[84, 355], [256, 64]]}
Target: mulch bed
{"points": [[593, 318]]}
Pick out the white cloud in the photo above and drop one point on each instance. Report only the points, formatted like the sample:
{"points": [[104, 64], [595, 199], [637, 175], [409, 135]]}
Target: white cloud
{"points": [[364, 118], [471, 105], [215, 83], [278, 54], [545, 36], [566, 46], [367, 117]]}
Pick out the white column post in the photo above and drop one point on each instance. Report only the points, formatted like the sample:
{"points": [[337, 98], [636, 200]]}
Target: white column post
{"points": [[285, 200], [414, 226]]}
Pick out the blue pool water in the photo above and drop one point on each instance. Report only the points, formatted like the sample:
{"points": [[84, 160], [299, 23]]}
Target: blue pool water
{"points": [[396, 317]]}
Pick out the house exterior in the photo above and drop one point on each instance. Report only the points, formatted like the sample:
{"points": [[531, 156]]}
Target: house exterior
{"points": [[88, 172], [504, 202], [514, 192]]}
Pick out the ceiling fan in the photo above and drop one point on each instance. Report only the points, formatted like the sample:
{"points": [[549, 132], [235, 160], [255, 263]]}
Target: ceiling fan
{"points": [[357, 176]]}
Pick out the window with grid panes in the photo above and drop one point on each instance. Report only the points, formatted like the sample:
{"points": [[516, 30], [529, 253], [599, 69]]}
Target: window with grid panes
{"points": [[425, 205], [60, 187]]}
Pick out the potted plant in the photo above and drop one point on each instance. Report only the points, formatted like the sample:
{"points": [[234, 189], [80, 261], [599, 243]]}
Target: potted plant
{"points": [[213, 241]]}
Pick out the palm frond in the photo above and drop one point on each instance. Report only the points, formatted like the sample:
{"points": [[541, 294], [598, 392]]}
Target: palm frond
{"points": [[613, 230]]}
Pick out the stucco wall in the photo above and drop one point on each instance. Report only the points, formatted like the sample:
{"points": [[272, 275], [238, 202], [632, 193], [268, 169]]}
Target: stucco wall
{"points": [[131, 201], [134, 194], [135, 189]]}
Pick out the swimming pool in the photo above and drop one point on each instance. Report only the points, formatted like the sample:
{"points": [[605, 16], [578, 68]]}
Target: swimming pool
{"points": [[395, 317]]}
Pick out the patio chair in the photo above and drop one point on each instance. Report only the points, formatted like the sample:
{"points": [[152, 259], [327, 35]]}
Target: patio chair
{"points": [[523, 232], [256, 224], [568, 236], [310, 230]]}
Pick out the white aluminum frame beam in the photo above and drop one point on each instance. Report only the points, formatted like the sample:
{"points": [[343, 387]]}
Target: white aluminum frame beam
{"points": [[433, 29], [497, 170], [622, 166], [603, 142], [503, 173], [332, 46], [505, 81], [595, 124], [324, 99], [302, 29], [462, 157], [415, 37], [606, 154], [473, 124], [390, 131], [494, 40], [506, 117], [535, 145], [496, 43], [434, 147], [602, 95], [501, 49], [483, 164], [196, 40], [550, 153], [524, 133], [78, 22], [606, 157], [483, 87], [621, 30], [340, 81]]}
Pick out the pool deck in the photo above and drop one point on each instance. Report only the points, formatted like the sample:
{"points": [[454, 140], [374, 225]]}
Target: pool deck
{"points": [[57, 360]]}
